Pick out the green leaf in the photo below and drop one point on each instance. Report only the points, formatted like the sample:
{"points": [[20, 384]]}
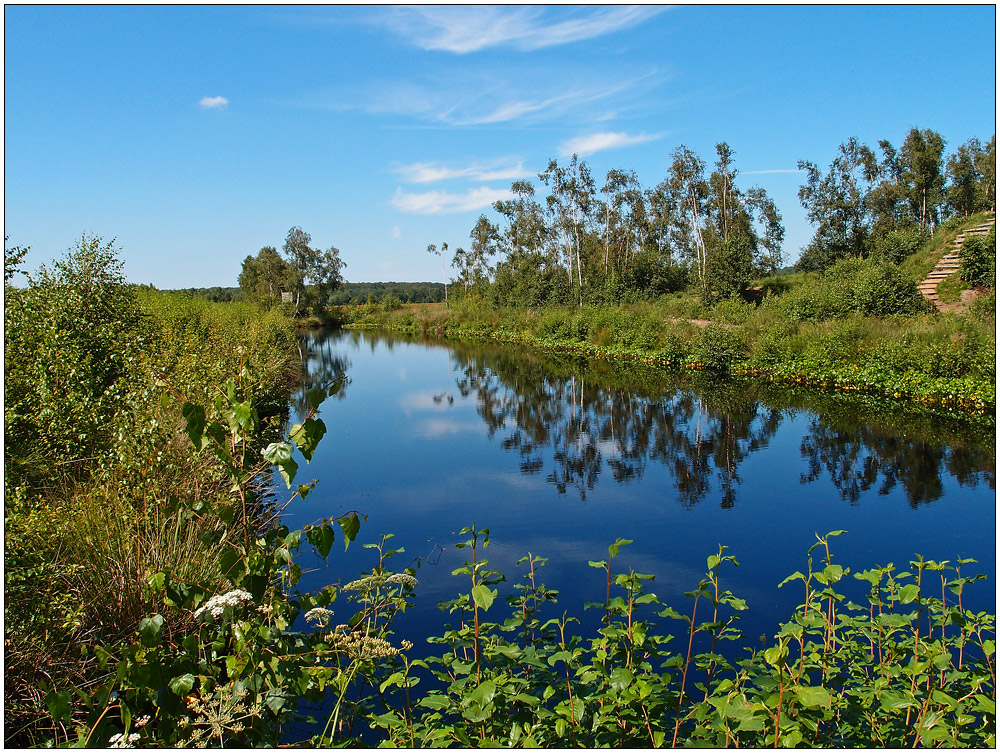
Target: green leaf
{"points": [[182, 684], [350, 525], [321, 537], [150, 629], [908, 593], [307, 435], [194, 416], [812, 697], [277, 452], [483, 596]]}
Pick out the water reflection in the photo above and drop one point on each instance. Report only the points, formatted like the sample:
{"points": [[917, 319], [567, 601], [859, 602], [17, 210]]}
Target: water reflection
{"points": [[322, 365], [578, 423]]}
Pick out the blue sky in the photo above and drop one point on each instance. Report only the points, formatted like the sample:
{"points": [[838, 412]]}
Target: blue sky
{"points": [[197, 134]]}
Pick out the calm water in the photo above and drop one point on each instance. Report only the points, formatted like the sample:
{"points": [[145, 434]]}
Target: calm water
{"points": [[558, 456]]}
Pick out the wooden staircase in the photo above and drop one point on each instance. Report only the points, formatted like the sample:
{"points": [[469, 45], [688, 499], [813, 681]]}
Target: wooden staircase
{"points": [[949, 263]]}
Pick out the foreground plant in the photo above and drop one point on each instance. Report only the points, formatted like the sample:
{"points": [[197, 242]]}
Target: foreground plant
{"points": [[225, 667], [911, 667]]}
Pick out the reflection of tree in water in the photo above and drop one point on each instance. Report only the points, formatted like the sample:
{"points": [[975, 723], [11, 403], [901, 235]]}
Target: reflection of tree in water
{"points": [[859, 456], [321, 367], [589, 424], [588, 416]]}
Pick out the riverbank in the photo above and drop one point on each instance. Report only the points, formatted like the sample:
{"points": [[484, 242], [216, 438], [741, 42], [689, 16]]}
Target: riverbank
{"points": [[102, 487], [944, 361]]}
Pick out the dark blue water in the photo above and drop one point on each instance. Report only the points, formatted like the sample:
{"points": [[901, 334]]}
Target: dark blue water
{"points": [[558, 456]]}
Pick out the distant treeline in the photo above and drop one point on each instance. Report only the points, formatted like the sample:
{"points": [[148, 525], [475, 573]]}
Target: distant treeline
{"points": [[406, 292], [347, 293]]}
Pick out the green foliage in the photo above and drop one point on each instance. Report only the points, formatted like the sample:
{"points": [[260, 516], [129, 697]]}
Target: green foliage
{"points": [[872, 287], [896, 245], [68, 355], [720, 348], [978, 257], [98, 482], [908, 666]]}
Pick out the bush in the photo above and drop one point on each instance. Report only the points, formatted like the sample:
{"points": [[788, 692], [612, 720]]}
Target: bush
{"points": [[71, 346], [897, 245], [720, 348], [978, 258]]}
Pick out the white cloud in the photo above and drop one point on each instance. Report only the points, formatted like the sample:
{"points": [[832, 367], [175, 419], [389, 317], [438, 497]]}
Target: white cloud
{"points": [[395, 231], [446, 202], [432, 172], [211, 103], [596, 142], [463, 29]]}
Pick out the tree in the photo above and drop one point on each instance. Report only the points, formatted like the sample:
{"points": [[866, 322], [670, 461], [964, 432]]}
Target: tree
{"points": [[986, 164], [689, 190], [526, 229], [922, 166], [325, 273], [310, 266], [433, 249], [838, 204], [570, 204], [265, 276]]}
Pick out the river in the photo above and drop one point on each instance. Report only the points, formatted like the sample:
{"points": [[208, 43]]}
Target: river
{"points": [[559, 456]]}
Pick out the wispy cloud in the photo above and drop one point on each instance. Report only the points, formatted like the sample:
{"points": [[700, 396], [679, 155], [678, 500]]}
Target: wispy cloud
{"points": [[213, 103], [464, 29], [769, 172], [446, 202], [432, 172], [597, 142]]}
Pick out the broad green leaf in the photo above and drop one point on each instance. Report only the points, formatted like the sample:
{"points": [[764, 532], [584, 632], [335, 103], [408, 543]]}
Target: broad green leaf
{"points": [[813, 697], [350, 525], [194, 416], [483, 596], [182, 684], [150, 629], [307, 435], [321, 537]]}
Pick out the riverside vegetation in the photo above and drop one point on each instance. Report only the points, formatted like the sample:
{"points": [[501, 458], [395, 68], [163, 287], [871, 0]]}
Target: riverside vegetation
{"points": [[151, 587], [860, 326], [625, 272]]}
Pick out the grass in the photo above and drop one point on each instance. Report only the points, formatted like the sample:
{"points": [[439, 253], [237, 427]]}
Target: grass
{"points": [[917, 266]]}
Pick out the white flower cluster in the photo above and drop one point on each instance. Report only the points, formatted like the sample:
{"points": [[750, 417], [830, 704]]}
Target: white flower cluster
{"points": [[319, 615], [120, 741], [407, 581], [360, 646], [371, 582], [218, 603]]}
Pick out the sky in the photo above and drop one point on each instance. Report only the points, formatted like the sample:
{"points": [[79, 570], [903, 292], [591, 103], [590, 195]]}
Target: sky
{"points": [[195, 135]]}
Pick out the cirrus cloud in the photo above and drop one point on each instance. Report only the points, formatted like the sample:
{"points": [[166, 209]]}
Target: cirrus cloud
{"points": [[463, 29], [213, 103], [432, 172], [597, 142], [447, 202]]}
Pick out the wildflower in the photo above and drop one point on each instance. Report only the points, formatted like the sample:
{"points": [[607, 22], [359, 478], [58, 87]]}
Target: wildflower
{"points": [[120, 741], [407, 581], [217, 604], [141, 722], [319, 615]]}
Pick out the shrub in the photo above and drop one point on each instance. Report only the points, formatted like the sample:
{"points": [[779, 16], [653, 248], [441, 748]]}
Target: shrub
{"points": [[70, 345], [720, 348], [897, 245], [978, 258]]}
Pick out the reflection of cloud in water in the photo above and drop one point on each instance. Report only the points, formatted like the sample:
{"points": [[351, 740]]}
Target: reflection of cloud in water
{"points": [[436, 428], [416, 402]]}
